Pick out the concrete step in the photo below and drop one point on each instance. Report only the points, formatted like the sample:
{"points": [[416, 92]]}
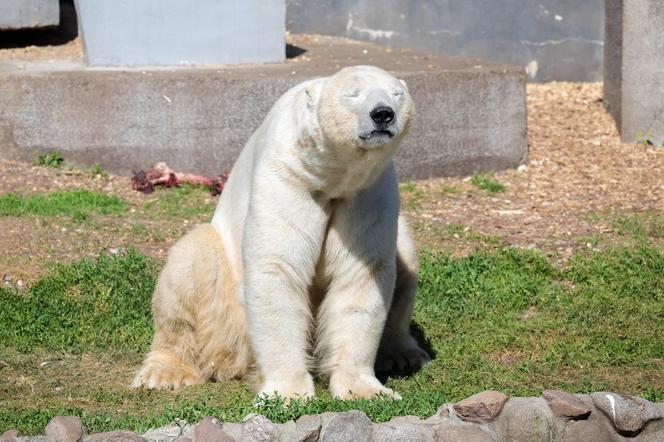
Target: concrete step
{"points": [[471, 114]]}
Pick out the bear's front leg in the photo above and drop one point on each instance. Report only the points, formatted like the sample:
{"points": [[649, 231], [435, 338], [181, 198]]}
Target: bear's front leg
{"points": [[359, 262], [282, 242]]}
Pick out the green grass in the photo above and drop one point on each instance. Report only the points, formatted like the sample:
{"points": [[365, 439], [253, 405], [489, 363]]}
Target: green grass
{"points": [[597, 324], [50, 159], [486, 181], [78, 204], [181, 202]]}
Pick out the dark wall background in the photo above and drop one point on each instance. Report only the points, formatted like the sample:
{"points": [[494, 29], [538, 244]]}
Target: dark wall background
{"points": [[553, 39]]}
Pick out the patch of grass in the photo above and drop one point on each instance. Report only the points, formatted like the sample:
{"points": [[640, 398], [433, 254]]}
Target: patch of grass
{"points": [[50, 159], [187, 201], [486, 181], [411, 195], [97, 170], [644, 225], [78, 204], [91, 305], [594, 325]]}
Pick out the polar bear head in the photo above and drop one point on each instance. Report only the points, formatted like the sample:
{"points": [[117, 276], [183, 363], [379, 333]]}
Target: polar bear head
{"points": [[361, 108]]}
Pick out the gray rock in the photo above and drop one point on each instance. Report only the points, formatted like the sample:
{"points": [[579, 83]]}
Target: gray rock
{"points": [[651, 437], [164, 434], [114, 436], [586, 431], [465, 433], [234, 430], [257, 428], [65, 429], [481, 407], [307, 428], [527, 420], [34, 439], [566, 404], [350, 426], [396, 431], [628, 414], [9, 436], [287, 431], [210, 430]]}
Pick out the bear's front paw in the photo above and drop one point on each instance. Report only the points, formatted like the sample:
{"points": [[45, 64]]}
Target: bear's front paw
{"points": [[300, 389], [404, 357], [162, 371], [361, 386]]}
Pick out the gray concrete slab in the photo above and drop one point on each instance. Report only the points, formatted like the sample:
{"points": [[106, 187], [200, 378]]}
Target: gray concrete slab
{"points": [[556, 39], [634, 68], [22, 14], [471, 115], [176, 32]]}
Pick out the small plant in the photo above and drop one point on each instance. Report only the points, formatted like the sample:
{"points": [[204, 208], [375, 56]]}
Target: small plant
{"points": [[97, 170], [644, 138], [486, 181], [50, 159]]}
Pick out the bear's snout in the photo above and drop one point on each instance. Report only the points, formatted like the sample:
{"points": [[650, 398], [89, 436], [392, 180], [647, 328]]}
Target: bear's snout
{"points": [[382, 115]]}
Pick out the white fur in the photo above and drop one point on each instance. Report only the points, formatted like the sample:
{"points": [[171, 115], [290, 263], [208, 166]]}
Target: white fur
{"points": [[308, 222]]}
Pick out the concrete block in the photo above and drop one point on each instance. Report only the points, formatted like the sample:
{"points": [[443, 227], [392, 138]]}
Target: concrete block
{"points": [[634, 68], [176, 32], [20, 14], [471, 115]]}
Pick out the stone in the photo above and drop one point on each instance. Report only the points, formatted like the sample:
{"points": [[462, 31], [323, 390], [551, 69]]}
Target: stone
{"points": [[651, 437], [167, 432], [527, 420], [633, 75], [23, 14], [481, 407], [65, 429], [347, 426], [257, 428], [114, 436], [127, 120], [629, 414], [308, 428], [210, 430], [398, 430], [9, 436], [566, 404], [586, 431], [455, 433]]}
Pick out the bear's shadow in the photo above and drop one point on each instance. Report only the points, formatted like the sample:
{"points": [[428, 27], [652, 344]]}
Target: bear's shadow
{"points": [[424, 343]]}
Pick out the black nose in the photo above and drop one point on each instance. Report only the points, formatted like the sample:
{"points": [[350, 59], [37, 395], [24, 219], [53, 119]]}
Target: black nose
{"points": [[382, 115]]}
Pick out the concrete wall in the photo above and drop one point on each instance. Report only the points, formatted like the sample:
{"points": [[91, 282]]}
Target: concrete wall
{"points": [[20, 14], [554, 39], [634, 70], [177, 32]]}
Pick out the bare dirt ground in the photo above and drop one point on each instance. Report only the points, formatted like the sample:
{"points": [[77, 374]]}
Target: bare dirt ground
{"points": [[579, 179]]}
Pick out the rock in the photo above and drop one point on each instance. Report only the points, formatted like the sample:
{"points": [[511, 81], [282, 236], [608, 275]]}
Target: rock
{"points": [[165, 433], [210, 430], [257, 428], [586, 431], [65, 429], [9, 436], [566, 404], [481, 407], [307, 428], [652, 437], [398, 430], [465, 433], [348, 426], [628, 414], [527, 420], [287, 431], [114, 436]]}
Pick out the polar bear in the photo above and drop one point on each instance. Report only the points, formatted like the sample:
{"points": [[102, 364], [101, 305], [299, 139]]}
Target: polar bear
{"points": [[306, 264]]}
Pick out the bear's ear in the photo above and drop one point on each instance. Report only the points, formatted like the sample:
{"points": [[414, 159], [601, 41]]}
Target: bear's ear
{"points": [[313, 91], [403, 83]]}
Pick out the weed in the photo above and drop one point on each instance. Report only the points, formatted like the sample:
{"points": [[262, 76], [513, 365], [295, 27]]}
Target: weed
{"points": [[487, 182], [50, 159], [97, 170]]}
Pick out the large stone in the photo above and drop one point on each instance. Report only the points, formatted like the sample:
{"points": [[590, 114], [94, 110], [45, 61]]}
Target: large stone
{"points": [[114, 436], [527, 420], [633, 74], [308, 428], [165, 433], [651, 437], [20, 14], [481, 407], [258, 428], [471, 114], [628, 414], [586, 431], [9, 436], [210, 430], [399, 430], [455, 433], [345, 427], [566, 404], [65, 429]]}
